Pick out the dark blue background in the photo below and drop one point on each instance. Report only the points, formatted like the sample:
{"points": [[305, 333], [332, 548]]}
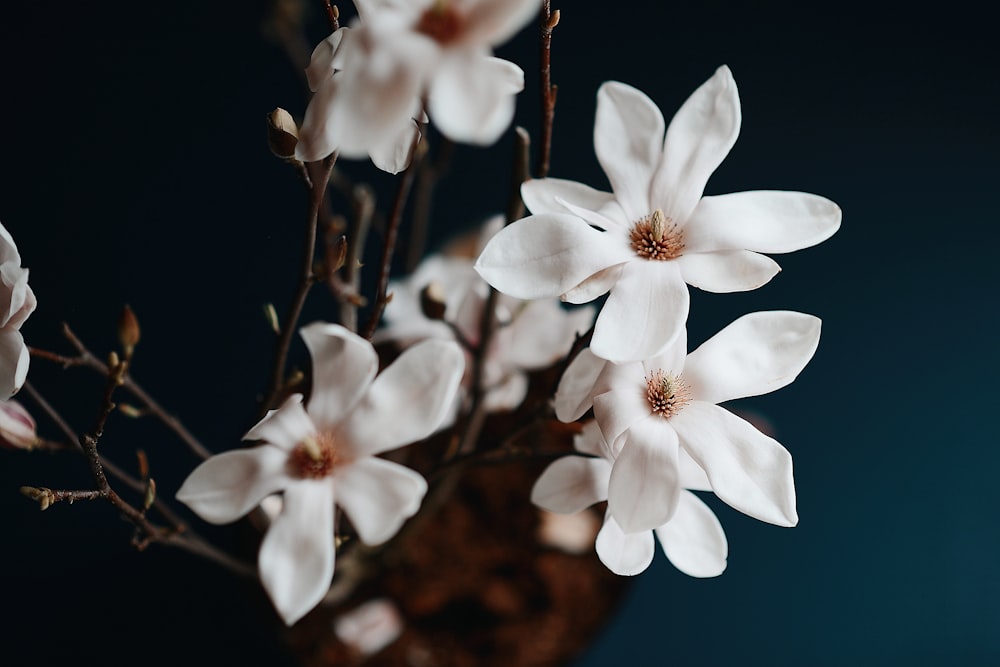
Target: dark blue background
{"points": [[134, 170]]}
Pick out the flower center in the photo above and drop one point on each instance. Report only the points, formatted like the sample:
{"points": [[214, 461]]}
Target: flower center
{"points": [[667, 394], [315, 457], [440, 22], [657, 237]]}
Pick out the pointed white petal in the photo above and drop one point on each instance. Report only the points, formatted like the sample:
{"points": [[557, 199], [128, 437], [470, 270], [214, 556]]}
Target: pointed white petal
{"points": [[285, 427], [322, 62], [572, 484], [393, 155], [692, 476], [628, 132], [472, 96], [644, 485], [407, 401], [14, 362], [694, 540], [227, 486], [748, 470], [756, 354], [624, 554], [617, 411], [594, 286], [768, 221], [646, 311], [541, 195], [573, 395], [343, 365], [378, 496], [698, 139], [297, 554], [727, 270], [546, 255]]}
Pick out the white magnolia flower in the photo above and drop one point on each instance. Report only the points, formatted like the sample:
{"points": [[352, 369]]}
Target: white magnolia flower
{"points": [[530, 335], [369, 627], [654, 232], [403, 51], [17, 302], [325, 453], [654, 413], [693, 539]]}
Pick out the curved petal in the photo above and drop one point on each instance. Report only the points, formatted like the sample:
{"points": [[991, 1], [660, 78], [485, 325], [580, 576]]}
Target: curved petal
{"points": [[756, 354], [628, 132], [646, 311], [617, 411], [492, 22], [590, 441], [297, 554], [692, 476], [17, 300], [624, 554], [644, 485], [572, 484], [378, 496], [545, 255], [573, 395], [407, 401], [541, 195], [769, 221], [14, 362], [285, 427], [393, 155], [694, 540], [506, 394], [748, 470], [542, 332], [343, 365], [698, 139], [323, 59], [228, 485], [471, 96], [594, 286], [727, 270], [317, 134]]}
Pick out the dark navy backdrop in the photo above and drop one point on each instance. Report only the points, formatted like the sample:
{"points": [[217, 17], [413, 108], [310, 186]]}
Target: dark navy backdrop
{"points": [[134, 171]]}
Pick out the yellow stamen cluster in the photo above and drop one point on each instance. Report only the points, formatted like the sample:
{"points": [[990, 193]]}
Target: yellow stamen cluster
{"points": [[315, 457], [657, 237], [667, 394]]}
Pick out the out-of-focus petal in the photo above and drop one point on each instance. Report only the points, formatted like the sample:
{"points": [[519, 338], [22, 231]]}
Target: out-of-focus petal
{"points": [[543, 331], [378, 496], [407, 401], [727, 270], [573, 395], [628, 132], [748, 470], [625, 554], [770, 221], [508, 393], [694, 540], [572, 484], [393, 155], [698, 139], [756, 354], [343, 365], [495, 21], [285, 427], [541, 195], [227, 486], [644, 485], [471, 96], [297, 554], [546, 255]]}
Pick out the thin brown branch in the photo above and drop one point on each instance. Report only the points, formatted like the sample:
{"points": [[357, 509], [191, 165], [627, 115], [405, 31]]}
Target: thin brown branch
{"points": [[427, 179], [363, 199], [548, 20]]}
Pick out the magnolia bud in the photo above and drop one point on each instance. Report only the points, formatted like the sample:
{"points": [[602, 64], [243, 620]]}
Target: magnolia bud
{"points": [[17, 428], [432, 301], [282, 133], [128, 331]]}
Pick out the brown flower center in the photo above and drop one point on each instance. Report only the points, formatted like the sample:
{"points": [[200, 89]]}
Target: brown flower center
{"points": [[667, 394], [657, 237], [315, 457], [440, 22]]}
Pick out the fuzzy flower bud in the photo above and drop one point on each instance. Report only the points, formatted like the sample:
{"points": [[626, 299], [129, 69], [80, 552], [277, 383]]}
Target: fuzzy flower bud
{"points": [[17, 427]]}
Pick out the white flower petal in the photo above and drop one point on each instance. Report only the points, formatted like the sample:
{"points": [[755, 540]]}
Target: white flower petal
{"points": [[343, 365], [407, 401], [748, 470], [756, 354], [542, 332], [628, 132], [698, 139], [14, 362], [573, 395], [472, 96], [590, 441], [770, 221], [546, 255], [322, 62], [317, 134], [572, 484], [727, 270], [495, 21], [508, 393], [646, 311], [378, 496], [617, 411], [692, 475], [694, 540], [227, 486], [285, 427], [393, 155], [297, 554], [624, 554], [17, 301], [644, 485], [541, 195], [594, 286]]}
